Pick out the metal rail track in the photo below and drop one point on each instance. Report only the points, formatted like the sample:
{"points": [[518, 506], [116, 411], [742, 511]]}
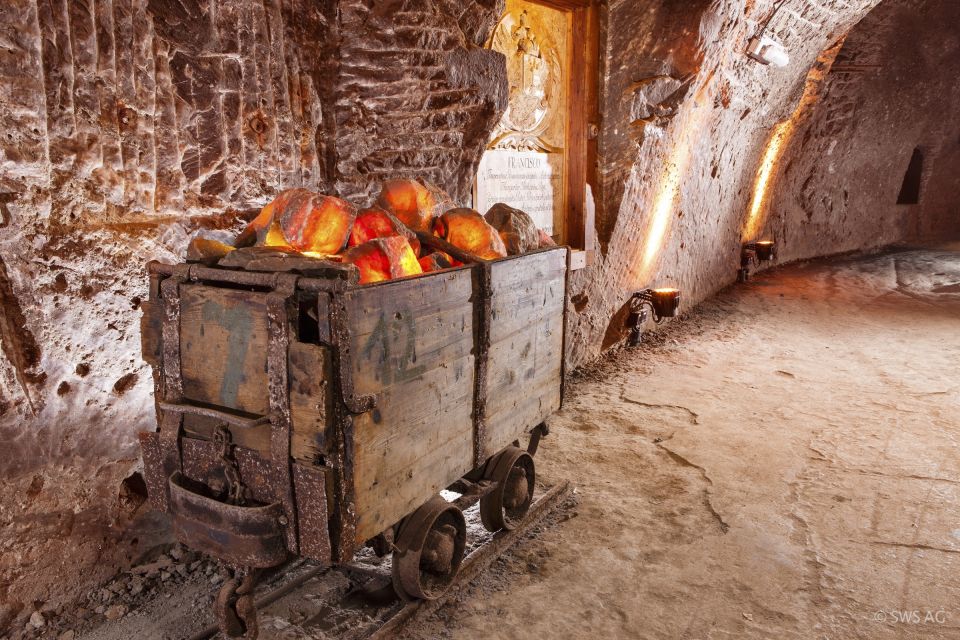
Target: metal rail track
{"points": [[402, 616]]}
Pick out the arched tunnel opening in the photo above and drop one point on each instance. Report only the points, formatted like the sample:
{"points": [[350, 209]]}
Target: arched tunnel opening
{"points": [[521, 318]]}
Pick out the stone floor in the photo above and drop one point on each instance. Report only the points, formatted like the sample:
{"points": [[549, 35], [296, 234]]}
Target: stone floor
{"points": [[783, 463]]}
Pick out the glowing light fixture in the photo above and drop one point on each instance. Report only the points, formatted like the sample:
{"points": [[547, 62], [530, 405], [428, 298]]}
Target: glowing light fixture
{"points": [[663, 303], [766, 49], [766, 249], [752, 254]]}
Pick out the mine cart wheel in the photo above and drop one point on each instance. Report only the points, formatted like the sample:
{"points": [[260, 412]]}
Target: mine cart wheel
{"points": [[515, 475], [429, 550]]}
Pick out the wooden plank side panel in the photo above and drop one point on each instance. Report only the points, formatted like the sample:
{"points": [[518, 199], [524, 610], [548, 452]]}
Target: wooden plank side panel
{"points": [[524, 382], [524, 288], [224, 344], [523, 362], [311, 402], [427, 295], [400, 330], [411, 343], [223, 347], [402, 467], [526, 346]]}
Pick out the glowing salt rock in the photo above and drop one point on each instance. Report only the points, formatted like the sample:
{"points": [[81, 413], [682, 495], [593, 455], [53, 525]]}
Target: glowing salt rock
{"points": [[264, 230], [383, 259], [304, 221], [374, 222], [436, 261], [207, 250], [517, 229], [320, 224], [467, 230], [414, 204]]}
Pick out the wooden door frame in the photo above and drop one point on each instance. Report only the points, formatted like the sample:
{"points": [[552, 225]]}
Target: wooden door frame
{"points": [[583, 91]]}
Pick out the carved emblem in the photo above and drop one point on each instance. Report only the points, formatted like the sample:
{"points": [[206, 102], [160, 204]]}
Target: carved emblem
{"points": [[534, 73]]}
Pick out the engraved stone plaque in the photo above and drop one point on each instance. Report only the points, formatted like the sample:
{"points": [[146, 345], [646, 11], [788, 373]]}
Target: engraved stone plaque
{"points": [[528, 180]]}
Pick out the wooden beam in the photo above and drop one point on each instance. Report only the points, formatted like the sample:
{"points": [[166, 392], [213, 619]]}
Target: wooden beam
{"points": [[582, 97]]}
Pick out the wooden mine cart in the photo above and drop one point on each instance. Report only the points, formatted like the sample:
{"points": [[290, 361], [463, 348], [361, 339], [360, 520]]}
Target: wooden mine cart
{"points": [[300, 413]]}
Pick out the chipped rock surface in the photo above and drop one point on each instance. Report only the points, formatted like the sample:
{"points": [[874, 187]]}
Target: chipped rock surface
{"points": [[831, 188], [131, 124]]}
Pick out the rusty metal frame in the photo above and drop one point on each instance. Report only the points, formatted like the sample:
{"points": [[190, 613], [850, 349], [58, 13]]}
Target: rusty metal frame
{"points": [[278, 331], [348, 404], [483, 318], [171, 422], [263, 279]]}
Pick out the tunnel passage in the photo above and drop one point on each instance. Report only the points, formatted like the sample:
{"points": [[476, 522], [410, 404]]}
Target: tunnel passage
{"points": [[884, 135]]}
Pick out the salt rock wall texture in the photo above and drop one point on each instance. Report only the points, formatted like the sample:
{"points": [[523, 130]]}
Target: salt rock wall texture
{"points": [[129, 124], [893, 89], [687, 118]]}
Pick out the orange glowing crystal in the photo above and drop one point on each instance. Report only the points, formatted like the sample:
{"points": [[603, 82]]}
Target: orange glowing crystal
{"points": [[467, 230], [374, 222], [414, 204], [383, 259], [304, 221], [436, 261]]}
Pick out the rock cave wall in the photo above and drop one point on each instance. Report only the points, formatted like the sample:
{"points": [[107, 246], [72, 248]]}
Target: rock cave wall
{"points": [[686, 117], [688, 121], [130, 124], [893, 90]]}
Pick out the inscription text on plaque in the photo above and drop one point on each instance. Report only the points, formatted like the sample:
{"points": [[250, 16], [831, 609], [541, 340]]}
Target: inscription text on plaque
{"points": [[528, 180]]}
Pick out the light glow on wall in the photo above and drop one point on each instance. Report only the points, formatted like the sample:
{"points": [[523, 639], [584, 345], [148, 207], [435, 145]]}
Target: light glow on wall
{"points": [[780, 139], [782, 133], [668, 191], [663, 204]]}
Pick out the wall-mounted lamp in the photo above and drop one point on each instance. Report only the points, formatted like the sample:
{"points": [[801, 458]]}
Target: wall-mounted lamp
{"points": [[662, 302], [766, 250], [764, 48], [752, 254]]}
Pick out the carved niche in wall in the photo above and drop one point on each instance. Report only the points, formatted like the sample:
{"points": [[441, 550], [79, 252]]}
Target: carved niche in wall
{"points": [[524, 163]]}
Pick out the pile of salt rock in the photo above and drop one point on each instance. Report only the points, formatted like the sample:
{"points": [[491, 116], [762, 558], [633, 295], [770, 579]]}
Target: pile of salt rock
{"points": [[391, 238]]}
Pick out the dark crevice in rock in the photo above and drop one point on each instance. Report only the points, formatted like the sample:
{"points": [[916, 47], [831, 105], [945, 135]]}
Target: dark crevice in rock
{"points": [[5, 217], [125, 383], [16, 340]]}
